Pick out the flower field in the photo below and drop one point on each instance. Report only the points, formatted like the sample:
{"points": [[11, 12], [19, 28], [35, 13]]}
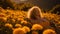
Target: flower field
{"points": [[16, 22]]}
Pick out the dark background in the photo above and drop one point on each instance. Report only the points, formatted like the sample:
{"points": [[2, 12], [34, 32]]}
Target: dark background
{"points": [[46, 4]]}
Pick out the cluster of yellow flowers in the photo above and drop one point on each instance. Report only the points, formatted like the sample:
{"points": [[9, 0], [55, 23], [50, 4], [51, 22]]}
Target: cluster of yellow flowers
{"points": [[16, 18], [51, 16], [22, 30]]}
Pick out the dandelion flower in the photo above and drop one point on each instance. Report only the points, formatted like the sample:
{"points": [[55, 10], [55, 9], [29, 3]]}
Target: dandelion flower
{"points": [[18, 31], [49, 31], [8, 25], [37, 27], [27, 29], [24, 22], [3, 19], [18, 25]]}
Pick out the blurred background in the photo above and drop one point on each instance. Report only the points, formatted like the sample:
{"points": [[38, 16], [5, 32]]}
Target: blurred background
{"points": [[46, 5]]}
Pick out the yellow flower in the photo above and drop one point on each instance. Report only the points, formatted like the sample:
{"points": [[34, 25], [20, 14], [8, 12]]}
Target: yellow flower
{"points": [[18, 31], [4, 19], [18, 25], [49, 31], [37, 27], [8, 25], [24, 22], [27, 29]]}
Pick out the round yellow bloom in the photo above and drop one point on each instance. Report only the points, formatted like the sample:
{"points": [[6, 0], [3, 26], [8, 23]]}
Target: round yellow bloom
{"points": [[18, 25], [25, 22], [49, 31], [37, 27], [18, 31], [8, 25], [27, 29], [4, 19]]}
